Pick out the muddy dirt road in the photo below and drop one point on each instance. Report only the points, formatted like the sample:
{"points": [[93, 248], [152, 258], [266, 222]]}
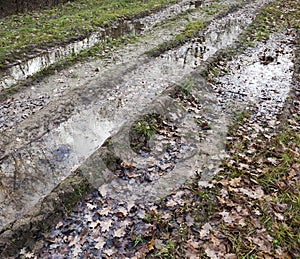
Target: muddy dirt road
{"points": [[67, 121]]}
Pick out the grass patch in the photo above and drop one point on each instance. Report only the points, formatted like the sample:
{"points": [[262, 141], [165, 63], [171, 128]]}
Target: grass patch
{"points": [[277, 15], [142, 130], [40, 29]]}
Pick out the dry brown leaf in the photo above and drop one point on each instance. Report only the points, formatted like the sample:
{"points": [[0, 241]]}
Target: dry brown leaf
{"points": [[105, 225], [125, 223], [205, 184], [110, 252], [151, 244], [104, 211], [91, 206], [272, 161], [235, 182], [205, 230], [94, 224], [122, 212], [95, 232], [258, 193], [120, 232], [189, 220], [226, 217], [263, 244], [100, 242], [192, 249], [279, 216], [171, 203], [211, 253]]}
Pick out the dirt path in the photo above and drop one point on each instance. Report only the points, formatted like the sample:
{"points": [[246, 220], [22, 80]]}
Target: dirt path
{"points": [[125, 219], [161, 121], [46, 141]]}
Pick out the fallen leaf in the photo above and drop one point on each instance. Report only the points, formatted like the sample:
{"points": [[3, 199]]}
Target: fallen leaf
{"points": [[105, 225], [226, 217], [256, 194], [210, 253], [104, 211], [279, 216], [151, 244], [91, 206], [235, 182], [110, 252], [94, 224], [100, 242], [205, 230], [189, 220], [272, 161], [205, 184], [122, 212], [120, 232]]}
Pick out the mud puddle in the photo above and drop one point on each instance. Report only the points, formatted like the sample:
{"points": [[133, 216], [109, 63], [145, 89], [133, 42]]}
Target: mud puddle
{"points": [[52, 89], [32, 171], [112, 221], [143, 176], [262, 76]]}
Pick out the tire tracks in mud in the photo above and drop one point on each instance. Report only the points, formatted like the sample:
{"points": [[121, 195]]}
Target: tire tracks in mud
{"points": [[110, 82]]}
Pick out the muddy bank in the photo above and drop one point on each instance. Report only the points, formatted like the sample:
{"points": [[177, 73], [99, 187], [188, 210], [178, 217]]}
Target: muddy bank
{"points": [[40, 59]]}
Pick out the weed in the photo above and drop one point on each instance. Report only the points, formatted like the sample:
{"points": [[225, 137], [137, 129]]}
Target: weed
{"points": [[240, 117], [167, 251], [193, 28], [142, 130], [137, 241]]}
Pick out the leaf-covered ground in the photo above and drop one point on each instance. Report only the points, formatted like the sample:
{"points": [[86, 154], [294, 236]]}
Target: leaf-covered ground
{"points": [[250, 210]]}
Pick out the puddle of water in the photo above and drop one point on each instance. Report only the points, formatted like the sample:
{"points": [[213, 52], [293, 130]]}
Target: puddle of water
{"points": [[23, 105], [262, 76], [218, 35], [32, 172], [134, 193]]}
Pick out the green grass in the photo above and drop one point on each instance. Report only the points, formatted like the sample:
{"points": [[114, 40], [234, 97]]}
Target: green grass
{"points": [[276, 16], [23, 32]]}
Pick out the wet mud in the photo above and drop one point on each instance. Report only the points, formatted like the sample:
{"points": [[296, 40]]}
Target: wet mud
{"points": [[39, 59], [45, 148], [90, 131], [110, 220]]}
